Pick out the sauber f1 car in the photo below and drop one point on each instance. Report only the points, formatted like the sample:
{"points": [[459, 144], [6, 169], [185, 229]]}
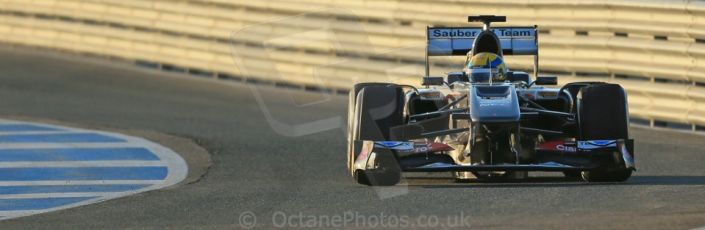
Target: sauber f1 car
{"points": [[486, 121]]}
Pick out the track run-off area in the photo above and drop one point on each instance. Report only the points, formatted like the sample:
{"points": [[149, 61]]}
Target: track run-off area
{"points": [[279, 160]]}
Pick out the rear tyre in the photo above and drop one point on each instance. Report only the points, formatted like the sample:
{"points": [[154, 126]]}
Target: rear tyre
{"points": [[377, 108], [603, 115]]}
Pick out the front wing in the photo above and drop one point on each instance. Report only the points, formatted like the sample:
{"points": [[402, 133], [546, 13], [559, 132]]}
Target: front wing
{"points": [[560, 156]]}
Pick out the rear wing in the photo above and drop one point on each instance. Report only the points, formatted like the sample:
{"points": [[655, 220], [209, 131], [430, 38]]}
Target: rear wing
{"points": [[450, 41], [458, 41]]}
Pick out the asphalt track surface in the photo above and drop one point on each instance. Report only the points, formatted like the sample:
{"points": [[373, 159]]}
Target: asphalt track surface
{"points": [[261, 166]]}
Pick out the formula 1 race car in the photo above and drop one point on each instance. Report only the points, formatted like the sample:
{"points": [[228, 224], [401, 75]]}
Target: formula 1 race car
{"points": [[488, 122]]}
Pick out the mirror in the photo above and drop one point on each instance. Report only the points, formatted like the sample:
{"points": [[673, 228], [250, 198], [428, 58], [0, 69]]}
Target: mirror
{"points": [[514, 76], [546, 80], [428, 81], [457, 76]]}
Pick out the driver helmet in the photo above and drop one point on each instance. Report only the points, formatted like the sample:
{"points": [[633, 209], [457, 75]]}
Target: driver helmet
{"points": [[484, 65]]}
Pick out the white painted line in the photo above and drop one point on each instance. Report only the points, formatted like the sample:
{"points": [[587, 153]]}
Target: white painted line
{"points": [[78, 182], [54, 195], [80, 164], [33, 132], [69, 145]]}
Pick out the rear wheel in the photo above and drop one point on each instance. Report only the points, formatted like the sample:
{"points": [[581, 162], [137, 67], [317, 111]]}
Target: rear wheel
{"points": [[603, 115], [377, 108]]}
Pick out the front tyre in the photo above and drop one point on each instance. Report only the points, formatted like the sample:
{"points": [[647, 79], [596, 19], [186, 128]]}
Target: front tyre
{"points": [[352, 131], [377, 108], [386, 172], [603, 115]]}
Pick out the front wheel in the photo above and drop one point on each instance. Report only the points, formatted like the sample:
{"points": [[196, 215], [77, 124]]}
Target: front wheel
{"points": [[603, 115], [377, 108], [385, 173], [353, 130]]}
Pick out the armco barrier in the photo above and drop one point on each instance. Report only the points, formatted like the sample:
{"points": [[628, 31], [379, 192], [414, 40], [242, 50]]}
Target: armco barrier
{"points": [[654, 48]]}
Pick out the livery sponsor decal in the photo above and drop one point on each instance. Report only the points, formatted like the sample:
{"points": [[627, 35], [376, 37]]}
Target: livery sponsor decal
{"points": [[571, 147], [413, 147], [472, 32], [422, 147], [396, 145], [558, 146], [444, 41], [597, 144]]}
